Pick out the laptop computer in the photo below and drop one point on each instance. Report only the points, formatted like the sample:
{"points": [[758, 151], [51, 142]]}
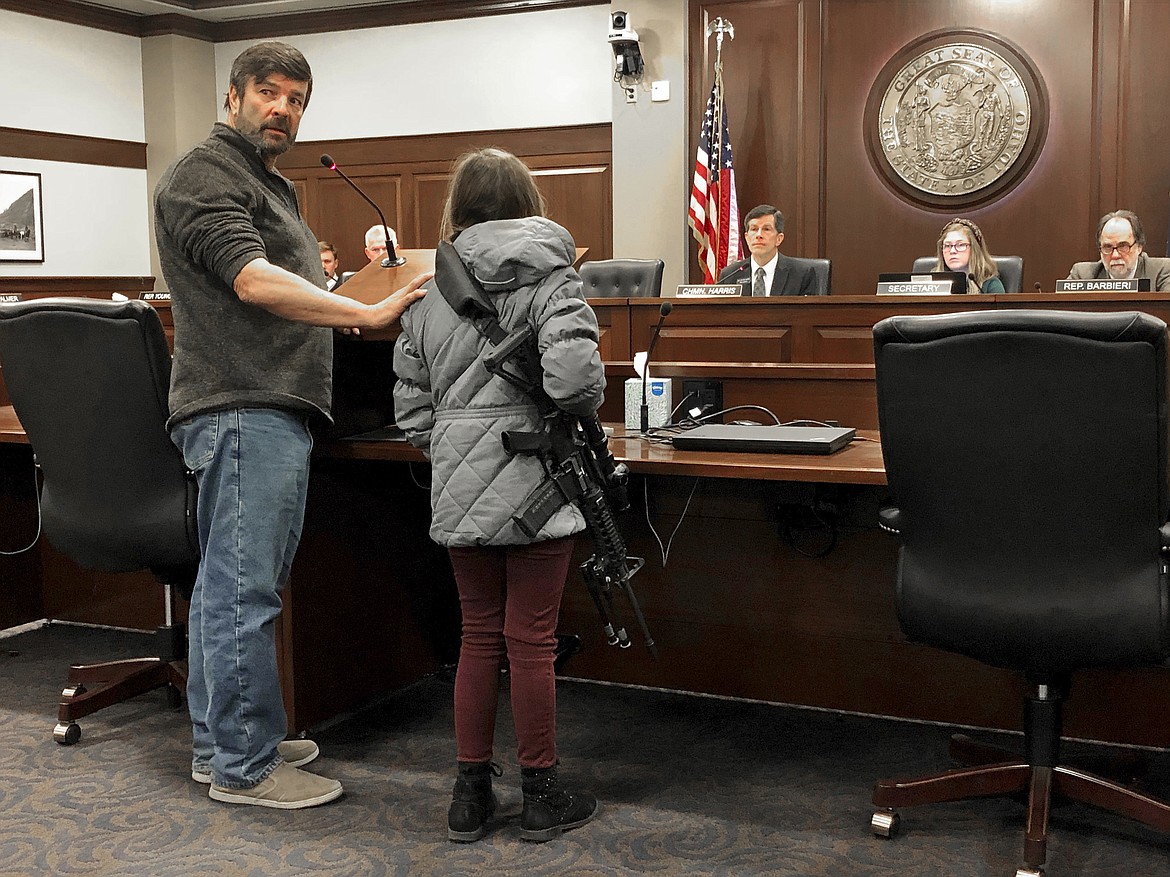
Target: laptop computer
{"points": [[958, 279], [759, 438]]}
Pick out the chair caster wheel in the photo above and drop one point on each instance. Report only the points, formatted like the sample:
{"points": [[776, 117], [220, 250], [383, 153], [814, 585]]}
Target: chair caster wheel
{"points": [[67, 733], [174, 697], [884, 823], [73, 690]]}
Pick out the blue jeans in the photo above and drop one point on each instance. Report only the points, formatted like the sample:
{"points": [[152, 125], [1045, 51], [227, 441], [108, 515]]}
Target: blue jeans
{"points": [[252, 467]]}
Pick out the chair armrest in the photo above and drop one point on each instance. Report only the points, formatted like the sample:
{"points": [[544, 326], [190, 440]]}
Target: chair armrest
{"points": [[890, 520]]}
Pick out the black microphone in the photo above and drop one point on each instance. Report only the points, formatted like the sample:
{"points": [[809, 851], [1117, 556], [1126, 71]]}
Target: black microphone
{"points": [[392, 260], [1039, 288], [644, 411]]}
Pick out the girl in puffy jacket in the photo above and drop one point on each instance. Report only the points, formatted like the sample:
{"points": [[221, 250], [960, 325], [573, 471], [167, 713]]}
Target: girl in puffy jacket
{"points": [[455, 411]]}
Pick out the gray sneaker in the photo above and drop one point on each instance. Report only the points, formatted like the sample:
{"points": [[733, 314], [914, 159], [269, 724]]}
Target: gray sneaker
{"points": [[286, 788], [298, 753]]}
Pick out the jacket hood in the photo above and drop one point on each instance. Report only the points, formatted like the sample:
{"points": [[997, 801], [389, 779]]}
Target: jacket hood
{"points": [[506, 254]]}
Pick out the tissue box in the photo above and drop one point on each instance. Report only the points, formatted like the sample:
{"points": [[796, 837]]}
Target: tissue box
{"points": [[658, 402]]}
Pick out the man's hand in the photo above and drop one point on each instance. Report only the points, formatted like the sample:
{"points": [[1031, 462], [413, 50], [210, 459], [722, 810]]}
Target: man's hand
{"points": [[389, 309], [283, 293]]}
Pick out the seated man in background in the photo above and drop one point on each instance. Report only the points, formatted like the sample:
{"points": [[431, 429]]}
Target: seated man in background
{"points": [[768, 271], [331, 265], [1122, 242], [376, 241]]}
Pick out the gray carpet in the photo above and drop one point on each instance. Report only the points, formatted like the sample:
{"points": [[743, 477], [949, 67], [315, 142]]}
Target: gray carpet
{"points": [[688, 786]]}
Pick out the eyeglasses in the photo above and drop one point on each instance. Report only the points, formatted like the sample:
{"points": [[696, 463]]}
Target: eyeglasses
{"points": [[1122, 248], [957, 246]]}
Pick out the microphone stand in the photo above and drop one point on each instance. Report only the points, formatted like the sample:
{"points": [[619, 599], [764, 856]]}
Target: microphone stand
{"points": [[392, 260], [644, 409]]}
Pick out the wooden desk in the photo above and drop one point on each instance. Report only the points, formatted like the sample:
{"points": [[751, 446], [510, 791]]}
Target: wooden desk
{"points": [[742, 608], [808, 356], [11, 432]]}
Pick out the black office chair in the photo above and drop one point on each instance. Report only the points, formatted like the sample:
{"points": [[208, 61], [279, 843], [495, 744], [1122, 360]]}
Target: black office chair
{"points": [[1026, 458], [823, 269], [88, 379], [1009, 268], [622, 278]]}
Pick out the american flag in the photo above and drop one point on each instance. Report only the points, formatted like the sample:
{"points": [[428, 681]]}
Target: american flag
{"points": [[714, 214]]}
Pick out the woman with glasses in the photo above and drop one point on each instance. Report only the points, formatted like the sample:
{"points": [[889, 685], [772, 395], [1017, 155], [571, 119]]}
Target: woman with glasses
{"points": [[961, 248], [1121, 241]]}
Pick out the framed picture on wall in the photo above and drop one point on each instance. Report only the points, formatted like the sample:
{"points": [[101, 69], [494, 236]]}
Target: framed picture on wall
{"points": [[21, 224]]}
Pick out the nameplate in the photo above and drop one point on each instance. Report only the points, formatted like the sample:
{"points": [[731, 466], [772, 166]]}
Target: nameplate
{"points": [[8, 298], [720, 290], [916, 287], [155, 296], [1133, 284]]}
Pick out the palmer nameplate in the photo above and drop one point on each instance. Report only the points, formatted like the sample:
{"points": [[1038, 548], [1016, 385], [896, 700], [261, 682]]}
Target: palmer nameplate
{"points": [[8, 298], [1105, 284]]}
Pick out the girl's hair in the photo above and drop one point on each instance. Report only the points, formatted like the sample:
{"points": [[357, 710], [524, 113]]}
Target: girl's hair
{"points": [[488, 184], [980, 265]]}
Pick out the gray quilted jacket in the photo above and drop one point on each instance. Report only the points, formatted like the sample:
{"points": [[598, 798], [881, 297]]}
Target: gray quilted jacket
{"points": [[455, 411]]}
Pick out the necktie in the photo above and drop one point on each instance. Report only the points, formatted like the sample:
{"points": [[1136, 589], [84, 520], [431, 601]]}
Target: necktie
{"points": [[758, 286]]}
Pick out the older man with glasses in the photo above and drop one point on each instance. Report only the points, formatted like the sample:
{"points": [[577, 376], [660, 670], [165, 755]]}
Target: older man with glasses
{"points": [[1122, 242]]}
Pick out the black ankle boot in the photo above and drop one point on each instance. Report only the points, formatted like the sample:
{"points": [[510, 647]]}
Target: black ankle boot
{"points": [[549, 808], [472, 802]]}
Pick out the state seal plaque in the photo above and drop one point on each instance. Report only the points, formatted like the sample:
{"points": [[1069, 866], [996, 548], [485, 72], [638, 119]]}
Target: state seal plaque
{"points": [[955, 119]]}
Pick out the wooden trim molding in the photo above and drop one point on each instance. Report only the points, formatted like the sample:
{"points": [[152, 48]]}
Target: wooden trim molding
{"points": [[384, 14], [73, 12], [88, 287], [73, 148], [564, 140]]}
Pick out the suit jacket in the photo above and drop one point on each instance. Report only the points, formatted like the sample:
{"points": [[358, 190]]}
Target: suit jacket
{"points": [[1156, 269], [791, 277], [341, 278]]}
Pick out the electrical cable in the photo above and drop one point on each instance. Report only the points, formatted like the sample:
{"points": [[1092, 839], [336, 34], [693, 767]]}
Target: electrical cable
{"points": [[37, 537], [646, 506]]}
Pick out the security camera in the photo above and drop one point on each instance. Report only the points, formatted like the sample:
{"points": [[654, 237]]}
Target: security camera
{"points": [[627, 54]]}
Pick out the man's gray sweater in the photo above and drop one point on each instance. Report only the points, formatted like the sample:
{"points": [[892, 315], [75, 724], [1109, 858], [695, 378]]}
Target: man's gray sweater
{"points": [[216, 209]]}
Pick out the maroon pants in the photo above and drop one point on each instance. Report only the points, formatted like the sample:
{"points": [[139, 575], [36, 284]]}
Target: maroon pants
{"points": [[510, 597]]}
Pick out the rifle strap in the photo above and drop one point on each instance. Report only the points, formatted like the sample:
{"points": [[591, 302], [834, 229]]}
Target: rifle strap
{"points": [[484, 321]]}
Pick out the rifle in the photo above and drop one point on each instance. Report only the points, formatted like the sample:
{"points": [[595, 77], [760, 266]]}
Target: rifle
{"points": [[573, 450]]}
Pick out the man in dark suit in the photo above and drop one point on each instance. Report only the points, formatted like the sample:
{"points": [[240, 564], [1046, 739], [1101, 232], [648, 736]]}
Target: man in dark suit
{"points": [[331, 265], [1122, 242], [767, 271]]}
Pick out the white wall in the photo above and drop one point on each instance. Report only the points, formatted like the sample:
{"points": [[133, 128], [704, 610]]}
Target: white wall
{"points": [[651, 171], [95, 225], [78, 80], [529, 70]]}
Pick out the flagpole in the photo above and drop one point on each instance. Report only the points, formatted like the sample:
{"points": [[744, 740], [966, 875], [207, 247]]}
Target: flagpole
{"points": [[712, 203], [720, 27]]}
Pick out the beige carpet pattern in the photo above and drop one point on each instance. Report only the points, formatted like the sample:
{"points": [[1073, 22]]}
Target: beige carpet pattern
{"points": [[688, 786]]}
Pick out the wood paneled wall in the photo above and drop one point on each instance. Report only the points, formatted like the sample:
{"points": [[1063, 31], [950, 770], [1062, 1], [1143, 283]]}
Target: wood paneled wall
{"points": [[407, 178], [799, 72]]}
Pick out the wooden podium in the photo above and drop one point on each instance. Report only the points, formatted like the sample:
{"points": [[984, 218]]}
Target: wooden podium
{"points": [[373, 283]]}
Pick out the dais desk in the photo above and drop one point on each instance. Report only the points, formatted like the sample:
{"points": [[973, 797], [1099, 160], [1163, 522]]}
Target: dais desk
{"points": [[743, 607]]}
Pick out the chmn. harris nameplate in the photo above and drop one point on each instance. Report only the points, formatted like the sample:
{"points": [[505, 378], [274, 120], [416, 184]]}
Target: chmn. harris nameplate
{"points": [[956, 118]]}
